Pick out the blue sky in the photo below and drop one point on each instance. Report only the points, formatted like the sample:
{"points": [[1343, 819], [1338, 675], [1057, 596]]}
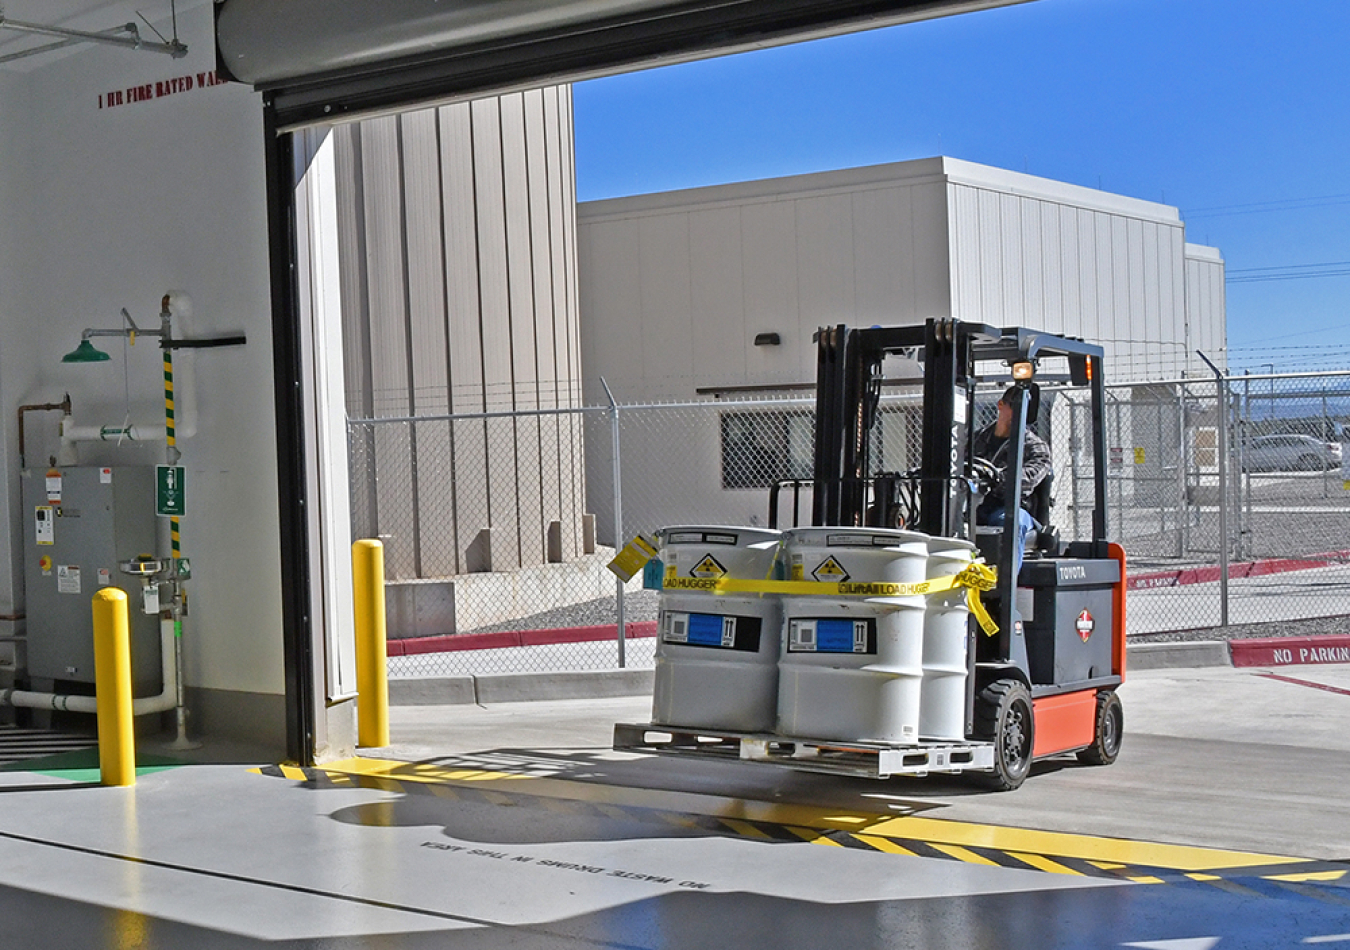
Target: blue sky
{"points": [[1235, 111]]}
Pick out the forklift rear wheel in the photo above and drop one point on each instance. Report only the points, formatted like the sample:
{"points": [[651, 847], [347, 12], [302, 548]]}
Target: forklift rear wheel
{"points": [[1110, 729], [1003, 714]]}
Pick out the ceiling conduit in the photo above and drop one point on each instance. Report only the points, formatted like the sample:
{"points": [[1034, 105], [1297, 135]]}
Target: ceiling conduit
{"points": [[332, 60]]}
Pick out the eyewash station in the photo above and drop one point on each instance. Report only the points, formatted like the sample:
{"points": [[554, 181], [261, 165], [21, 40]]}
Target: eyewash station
{"points": [[93, 529]]}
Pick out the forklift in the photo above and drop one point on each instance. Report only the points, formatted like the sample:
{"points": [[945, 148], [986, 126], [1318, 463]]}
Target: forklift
{"points": [[1045, 683], [1042, 676]]}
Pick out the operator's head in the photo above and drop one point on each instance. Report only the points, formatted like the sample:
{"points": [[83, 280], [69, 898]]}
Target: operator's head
{"points": [[1003, 425]]}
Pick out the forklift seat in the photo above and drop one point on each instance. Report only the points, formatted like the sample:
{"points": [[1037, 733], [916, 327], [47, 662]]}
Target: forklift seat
{"points": [[1044, 539]]}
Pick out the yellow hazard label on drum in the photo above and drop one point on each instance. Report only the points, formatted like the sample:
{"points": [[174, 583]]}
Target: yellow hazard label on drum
{"points": [[708, 567], [830, 570]]}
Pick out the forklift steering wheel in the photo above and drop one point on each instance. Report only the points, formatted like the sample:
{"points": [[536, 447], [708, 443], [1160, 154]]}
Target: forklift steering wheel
{"points": [[986, 474]]}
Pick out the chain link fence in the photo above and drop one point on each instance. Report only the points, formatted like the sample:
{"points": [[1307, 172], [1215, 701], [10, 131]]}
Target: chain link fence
{"points": [[1228, 495]]}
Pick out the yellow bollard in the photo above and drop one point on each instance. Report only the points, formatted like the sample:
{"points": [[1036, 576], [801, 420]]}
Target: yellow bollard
{"points": [[112, 688], [372, 677]]}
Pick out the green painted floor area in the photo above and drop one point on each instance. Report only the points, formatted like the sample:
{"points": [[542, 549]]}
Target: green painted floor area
{"points": [[81, 765]]}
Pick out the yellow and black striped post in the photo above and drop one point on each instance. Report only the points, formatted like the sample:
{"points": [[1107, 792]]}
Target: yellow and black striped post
{"points": [[169, 436]]}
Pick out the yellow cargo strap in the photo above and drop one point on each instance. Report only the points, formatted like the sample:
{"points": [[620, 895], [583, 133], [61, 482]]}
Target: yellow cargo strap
{"points": [[975, 578]]}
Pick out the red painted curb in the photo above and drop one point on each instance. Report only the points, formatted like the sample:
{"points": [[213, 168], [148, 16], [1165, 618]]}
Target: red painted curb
{"points": [[450, 643], [1210, 573], [1290, 651]]}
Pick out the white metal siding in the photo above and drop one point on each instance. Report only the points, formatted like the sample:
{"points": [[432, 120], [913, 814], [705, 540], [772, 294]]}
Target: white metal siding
{"points": [[1100, 274], [459, 297], [674, 297]]}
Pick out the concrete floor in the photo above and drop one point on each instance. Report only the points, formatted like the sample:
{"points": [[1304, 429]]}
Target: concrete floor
{"points": [[516, 826]]}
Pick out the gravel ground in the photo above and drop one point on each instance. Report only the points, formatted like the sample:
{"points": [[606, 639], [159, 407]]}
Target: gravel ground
{"points": [[638, 606], [1325, 626]]}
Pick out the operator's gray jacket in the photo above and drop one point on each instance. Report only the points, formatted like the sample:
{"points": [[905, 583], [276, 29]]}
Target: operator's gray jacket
{"points": [[1037, 462]]}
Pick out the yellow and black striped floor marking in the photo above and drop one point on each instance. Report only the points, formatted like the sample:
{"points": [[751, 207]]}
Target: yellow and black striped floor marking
{"points": [[1140, 862]]}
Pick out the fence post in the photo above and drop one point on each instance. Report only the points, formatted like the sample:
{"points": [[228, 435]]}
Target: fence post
{"points": [[618, 520], [1221, 417]]}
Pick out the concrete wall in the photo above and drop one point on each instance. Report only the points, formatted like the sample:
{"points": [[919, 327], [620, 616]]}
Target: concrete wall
{"points": [[110, 208]]}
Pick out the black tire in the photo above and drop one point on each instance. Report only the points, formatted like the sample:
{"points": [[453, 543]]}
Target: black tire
{"points": [[1003, 715], [1109, 732]]}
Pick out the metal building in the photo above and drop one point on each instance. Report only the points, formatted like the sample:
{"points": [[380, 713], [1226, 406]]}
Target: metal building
{"points": [[676, 287]]}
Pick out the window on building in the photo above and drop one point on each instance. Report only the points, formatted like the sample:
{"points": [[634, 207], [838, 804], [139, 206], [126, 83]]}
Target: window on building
{"points": [[760, 448]]}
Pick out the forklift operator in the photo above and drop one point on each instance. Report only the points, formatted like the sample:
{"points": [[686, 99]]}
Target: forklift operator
{"points": [[991, 444]]}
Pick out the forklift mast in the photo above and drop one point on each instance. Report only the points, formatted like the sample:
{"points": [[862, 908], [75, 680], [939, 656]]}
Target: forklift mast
{"points": [[848, 390]]}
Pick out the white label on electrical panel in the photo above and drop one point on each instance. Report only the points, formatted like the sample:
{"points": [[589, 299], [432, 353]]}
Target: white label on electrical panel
{"points": [[105, 476], [54, 487], [46, 525], [67, 579], [104, 577], [151, 598]]}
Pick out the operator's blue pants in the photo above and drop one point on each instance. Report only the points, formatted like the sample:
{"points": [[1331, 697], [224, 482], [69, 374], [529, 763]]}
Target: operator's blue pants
{"points": [[1025, 524]]}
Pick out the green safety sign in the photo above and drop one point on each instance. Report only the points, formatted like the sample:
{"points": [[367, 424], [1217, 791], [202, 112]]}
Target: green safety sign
{"points": [[169, 487], [182, 569]]}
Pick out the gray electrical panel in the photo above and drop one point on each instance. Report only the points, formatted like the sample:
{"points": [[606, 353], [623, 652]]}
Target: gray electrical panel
{"points": [[79, 524]]}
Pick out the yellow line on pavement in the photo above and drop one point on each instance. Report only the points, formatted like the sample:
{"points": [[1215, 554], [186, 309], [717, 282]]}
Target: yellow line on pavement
{"points": [[1042, 863], [1061, 844], [1106, 853], [962, 854]]}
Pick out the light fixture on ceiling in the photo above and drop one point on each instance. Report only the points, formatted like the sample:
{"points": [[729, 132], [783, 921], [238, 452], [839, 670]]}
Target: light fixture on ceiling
{"points": [[128, 37]]}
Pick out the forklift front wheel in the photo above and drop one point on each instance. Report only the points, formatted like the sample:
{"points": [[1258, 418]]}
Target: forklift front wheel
{"points": [[1003, 713], [1110, 729]]}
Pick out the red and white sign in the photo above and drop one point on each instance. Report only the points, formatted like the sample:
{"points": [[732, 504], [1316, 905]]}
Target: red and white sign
{"points": [[1085, 625], [1290, 651]]}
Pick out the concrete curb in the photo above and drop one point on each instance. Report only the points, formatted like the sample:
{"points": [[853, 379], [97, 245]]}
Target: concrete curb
{"points": [[595, 684], [1187, 654], [519, 687]]}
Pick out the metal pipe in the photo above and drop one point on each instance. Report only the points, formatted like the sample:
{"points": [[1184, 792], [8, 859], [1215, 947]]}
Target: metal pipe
{"points": [[167, 698], [618, 518], [63, 405], [171, 48]]}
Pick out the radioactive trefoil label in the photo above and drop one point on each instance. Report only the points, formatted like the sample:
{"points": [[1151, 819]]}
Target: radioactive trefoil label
{"points": [[830, 570]]}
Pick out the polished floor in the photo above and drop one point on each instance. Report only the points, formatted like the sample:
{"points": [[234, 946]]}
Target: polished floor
{"points": [[557, 843]]}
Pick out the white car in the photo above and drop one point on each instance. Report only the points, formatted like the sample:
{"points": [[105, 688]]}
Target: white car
{"points": [[1287, 453]]}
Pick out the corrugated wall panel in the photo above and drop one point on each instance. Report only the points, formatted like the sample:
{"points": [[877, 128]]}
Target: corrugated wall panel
{"points": [[541, 275], [665, 322], [355, 327], [424, 263], [826, 275], [932, 256], [883, 256], [468, 298], [613, 299], [723, 342], [566, 377], [495, 301], [528, 543], [468, 444], [768, 266], [391, 383]]}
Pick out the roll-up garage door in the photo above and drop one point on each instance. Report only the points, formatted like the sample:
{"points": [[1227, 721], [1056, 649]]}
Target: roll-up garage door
{"points": [[326, 60]]}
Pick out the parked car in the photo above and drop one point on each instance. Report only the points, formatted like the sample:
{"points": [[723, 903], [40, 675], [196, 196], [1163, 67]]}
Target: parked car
{"points": [[1287, 453]]}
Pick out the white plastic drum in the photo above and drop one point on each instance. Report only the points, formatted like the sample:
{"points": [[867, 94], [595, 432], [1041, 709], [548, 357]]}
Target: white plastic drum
{"points": [[942, 710], [717, 654], [852, 667]]}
